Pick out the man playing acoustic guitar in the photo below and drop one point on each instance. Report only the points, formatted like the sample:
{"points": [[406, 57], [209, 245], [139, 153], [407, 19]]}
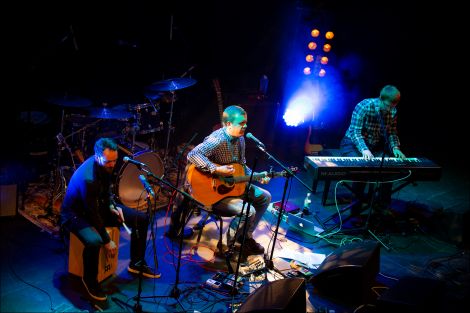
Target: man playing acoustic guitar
{"points": [[212, 177]]}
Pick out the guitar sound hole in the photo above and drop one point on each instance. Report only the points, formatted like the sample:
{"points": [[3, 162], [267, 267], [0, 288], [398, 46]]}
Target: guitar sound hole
{"points": [[223, 189]]}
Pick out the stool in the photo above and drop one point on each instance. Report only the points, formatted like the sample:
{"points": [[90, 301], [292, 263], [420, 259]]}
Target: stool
{"points": [[211, 216], [106, 266]]}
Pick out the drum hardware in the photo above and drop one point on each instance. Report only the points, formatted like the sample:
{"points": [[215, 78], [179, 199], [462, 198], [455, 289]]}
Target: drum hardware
{"points": [[110, 113], [57, 180], [170, 85], [81, 132]]}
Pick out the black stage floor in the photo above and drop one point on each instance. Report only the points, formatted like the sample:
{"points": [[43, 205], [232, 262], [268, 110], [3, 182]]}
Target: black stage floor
{"points": [[414, 257]]}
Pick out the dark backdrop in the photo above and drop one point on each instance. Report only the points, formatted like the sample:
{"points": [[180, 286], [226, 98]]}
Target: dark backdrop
{"points": [[111, 54]]}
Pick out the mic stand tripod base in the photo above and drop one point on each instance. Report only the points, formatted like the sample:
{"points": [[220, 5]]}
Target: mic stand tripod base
{"points": [[175, 292], [269, 263]]}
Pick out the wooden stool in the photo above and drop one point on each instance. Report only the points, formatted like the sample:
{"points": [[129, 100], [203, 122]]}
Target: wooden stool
{"points": [[106, 266]]}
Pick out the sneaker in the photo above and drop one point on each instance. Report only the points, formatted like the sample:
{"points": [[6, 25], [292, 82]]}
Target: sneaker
{"points": [[147, 271], [94, 290], [252, 247]]}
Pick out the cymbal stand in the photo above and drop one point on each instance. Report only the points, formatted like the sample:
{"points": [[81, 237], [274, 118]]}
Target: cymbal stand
{"points": [[153, 139], [56, 174], [134, 129], [170, 128], [82, 132]]}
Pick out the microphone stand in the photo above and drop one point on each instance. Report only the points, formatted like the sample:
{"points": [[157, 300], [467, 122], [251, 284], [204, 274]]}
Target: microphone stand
{"points": [[137, 308], [245, 230], [376, 185], [175, 292], [289, 174], [377, 182]]}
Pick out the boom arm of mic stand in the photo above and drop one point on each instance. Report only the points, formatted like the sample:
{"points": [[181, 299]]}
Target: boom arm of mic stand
{"points": [[288, 171], [166, 183]]}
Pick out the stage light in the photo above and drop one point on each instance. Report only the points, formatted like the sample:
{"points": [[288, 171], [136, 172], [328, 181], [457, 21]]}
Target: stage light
{"points": [[312, 45], [327, 47], [314, 60], [315, 33]]}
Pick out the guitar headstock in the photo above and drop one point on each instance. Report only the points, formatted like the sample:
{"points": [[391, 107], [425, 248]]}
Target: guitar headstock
{"points": [[216, 84], [283, 173]]}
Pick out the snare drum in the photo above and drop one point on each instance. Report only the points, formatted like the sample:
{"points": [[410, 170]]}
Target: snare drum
{"points": [[147, 118], [129, 188]]}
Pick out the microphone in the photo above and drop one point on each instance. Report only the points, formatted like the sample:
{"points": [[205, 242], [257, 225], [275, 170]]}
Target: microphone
{"points": [[147, 186], [256, 140], [135, 162]]}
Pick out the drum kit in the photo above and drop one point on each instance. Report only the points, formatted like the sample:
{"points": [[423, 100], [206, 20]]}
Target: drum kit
{"points": [[127, 124]]}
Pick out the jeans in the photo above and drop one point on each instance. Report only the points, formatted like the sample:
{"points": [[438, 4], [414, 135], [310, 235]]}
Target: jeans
{"points": [[88, 235], [259, 199]]}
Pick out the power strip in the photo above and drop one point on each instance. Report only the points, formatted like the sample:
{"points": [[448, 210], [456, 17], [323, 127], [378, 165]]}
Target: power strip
{"points": [[253, 267], [223, 281]]}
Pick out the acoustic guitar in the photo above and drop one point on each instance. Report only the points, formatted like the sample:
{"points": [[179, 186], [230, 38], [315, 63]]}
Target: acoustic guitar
{"points": [[311, 148], [210, 188]]}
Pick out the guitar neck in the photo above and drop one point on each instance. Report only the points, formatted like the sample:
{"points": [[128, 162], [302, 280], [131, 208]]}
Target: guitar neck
{"points": [[220, 102], [246, 178]]}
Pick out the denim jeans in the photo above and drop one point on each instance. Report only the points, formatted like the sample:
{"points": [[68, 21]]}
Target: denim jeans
{"points": [[88, 235], [259, 199]]}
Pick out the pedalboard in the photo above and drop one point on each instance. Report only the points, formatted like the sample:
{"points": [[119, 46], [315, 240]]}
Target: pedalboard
{"points": [[223, 281]]}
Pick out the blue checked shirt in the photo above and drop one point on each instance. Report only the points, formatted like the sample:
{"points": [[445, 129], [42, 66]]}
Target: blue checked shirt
{"points": [[220, 148], [365, 131]]}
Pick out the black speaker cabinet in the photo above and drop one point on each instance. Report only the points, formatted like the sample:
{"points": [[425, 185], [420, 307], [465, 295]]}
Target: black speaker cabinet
{"points": [[284, 295], [349, 272]]}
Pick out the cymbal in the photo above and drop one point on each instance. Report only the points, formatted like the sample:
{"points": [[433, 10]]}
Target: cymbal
{"points": [[172, 84], [70, 101], [110, 113], [152, 96]]}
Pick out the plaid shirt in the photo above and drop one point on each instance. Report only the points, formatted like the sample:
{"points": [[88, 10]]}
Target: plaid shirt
{"points": [[365, 131], [219, 148]]}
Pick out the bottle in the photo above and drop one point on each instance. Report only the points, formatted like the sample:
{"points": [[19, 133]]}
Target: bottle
{"points": [[307, 202], [274, 209]]}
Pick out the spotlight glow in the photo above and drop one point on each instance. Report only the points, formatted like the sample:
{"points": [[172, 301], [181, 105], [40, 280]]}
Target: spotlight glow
{"points": [[292, 118], [300, 108]]}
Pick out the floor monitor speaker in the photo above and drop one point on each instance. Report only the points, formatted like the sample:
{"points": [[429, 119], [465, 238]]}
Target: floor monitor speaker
{"points": [[349, 272], [284, 295]]}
